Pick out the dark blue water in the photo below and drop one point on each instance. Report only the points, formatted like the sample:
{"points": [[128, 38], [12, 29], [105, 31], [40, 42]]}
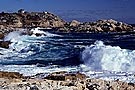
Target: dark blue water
{"points": [[124, 40]]}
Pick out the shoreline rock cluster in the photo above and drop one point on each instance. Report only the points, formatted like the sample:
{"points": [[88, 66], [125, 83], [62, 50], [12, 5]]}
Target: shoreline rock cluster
{"points": [[23, 19], [59, 81], [99, 26]]}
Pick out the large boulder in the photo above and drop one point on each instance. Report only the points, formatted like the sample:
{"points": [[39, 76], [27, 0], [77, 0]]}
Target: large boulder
{"points": [[74, 23], [112, 26], [57, 24]]}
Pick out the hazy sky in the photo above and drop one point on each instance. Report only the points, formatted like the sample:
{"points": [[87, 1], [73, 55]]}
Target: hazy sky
{"points": [[12, 5], [118, 7]]}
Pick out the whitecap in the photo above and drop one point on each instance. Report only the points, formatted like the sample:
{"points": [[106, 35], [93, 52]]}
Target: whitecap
{"points": [[105, 57]]}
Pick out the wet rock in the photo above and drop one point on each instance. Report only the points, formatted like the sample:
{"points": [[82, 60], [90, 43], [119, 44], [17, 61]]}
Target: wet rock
{"points": [[62, 76], [2, 27], [55, 77], [34, 88], [5, 44], [1, 35], [92, 87]]}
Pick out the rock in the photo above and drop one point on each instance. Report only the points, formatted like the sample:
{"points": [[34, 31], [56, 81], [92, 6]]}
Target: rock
{"points": [[118, 29], [10, 75], [58, 24], [2, 27], [80, 76], [62, 76], [23, 19], [99, 29], [45, 24], [112, 21], [5, 44], [55, 77], [74, 23], [1, 35]]}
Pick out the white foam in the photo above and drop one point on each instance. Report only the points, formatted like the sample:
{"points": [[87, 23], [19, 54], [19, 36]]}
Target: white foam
{"points": [[105, 57], [21, 46], [29, 70], [42, 33], [13, 36]]}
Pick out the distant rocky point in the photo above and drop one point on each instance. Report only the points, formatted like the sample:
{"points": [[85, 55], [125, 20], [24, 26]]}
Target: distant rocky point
{"points": [[24, 19]]}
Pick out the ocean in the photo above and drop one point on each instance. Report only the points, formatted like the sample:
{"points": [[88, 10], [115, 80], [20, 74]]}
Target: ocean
{"points": [[108, 56]]}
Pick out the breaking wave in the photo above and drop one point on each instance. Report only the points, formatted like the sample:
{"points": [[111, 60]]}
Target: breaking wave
{"points": [[105, 57], [30, 49]]}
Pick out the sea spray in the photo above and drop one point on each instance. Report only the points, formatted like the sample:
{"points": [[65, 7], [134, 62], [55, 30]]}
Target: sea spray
{"points": [[105, 57], [42, 33], [13, 36]]}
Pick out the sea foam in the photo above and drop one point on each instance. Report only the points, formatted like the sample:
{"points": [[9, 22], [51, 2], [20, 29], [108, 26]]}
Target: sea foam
{"points": [[105, 57], [13, 36], [43, 33]]}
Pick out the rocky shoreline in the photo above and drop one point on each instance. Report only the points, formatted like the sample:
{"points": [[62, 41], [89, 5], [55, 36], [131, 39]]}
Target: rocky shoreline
{"points": [[59, 81], [23, 19], [26, 20]]}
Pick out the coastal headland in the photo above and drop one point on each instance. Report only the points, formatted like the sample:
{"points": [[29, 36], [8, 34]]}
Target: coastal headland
{"points": [[58, 80], [27, 20], [23, 19]]}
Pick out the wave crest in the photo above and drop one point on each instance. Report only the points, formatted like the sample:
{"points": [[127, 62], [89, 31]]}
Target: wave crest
{"points": [[105, 57]]}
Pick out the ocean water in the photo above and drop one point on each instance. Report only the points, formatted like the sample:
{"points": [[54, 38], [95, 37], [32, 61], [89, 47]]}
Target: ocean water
{"points": [[108, 56]]}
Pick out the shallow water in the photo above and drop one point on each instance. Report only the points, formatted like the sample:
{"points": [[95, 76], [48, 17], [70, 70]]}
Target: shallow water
{"points": [[100, 55]]}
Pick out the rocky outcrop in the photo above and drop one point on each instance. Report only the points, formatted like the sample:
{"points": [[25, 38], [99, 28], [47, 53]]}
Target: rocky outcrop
{"points": [[15, 81], [23, 19], [98, 26], [74, 23]]}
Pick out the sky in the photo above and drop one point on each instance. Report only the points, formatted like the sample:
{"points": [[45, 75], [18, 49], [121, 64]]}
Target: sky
{"points": [[117, 9]]}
